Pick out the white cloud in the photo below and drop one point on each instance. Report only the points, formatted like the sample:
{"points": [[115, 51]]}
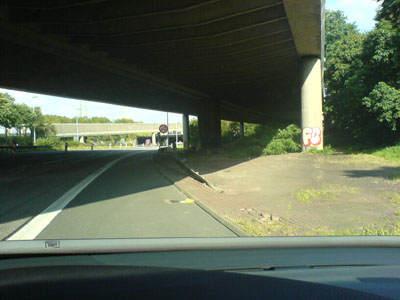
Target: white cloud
{"points": [[361, 12]]}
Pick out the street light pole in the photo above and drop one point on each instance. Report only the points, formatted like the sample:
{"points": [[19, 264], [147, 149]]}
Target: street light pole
{"points": [[77, 120], [167, 131], [176, 133], [34, 129], [77, 129]]}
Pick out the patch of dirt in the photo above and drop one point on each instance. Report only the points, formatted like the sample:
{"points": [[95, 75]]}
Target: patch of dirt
{"points": [[309, 191]]}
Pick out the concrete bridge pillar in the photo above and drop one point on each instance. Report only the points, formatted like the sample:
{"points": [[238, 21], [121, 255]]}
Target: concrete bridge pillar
{"points": [[241, 130], [153, 139], [186, 135], [311, 103], [210, 125]]}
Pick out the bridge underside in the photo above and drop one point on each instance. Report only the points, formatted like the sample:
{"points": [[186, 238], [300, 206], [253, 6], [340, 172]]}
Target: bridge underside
{"points": [[242, 59]]}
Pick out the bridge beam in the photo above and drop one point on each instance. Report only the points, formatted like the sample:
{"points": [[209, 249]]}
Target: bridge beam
{"points": [[311, 103], [210, 125]]}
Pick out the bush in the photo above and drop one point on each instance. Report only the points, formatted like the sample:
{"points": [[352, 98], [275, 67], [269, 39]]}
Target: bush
{"points": [[328, 149], [285, 141], [20, 140], [194, 133], [229, 130], [50, 141]]}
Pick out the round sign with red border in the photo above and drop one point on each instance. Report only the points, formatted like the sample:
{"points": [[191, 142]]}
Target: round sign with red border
{"points": [[163, 128]]}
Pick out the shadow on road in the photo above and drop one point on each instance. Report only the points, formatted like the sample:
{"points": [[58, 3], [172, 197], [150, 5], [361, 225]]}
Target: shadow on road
{"points": [[382, 172], [38, 182]]}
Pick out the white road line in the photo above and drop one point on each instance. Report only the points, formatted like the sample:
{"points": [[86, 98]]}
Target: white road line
{"points": [[52, 162], [32, 229]]}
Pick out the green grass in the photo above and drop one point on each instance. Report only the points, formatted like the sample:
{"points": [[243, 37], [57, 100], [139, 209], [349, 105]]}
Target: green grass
{"points": [[255, 227], [328, 192], [372, 229], [328, 150], [367, 230], [394, 198], [388, 153]]}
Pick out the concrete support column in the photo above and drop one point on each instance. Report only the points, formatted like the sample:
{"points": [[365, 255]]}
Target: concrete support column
{"points": [[153, 139], [209, 120], [241, 130], [311, 103], [186, 134]]}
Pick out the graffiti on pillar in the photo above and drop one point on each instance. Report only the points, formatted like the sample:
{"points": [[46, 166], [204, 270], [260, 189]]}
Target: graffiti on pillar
{"points": [[312, 136]]}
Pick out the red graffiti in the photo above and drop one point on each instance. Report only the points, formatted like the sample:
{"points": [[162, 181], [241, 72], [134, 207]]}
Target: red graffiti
{"points": [[312, 136]]}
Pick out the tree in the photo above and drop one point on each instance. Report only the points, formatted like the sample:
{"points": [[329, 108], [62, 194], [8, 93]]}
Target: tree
{"points": [[52, 119], [24, 117], [43, 129], [6, 102], [362, 81], [124, 120], [343, 46], [194, 133], [99, 120], [384, 103], [390, 10]]}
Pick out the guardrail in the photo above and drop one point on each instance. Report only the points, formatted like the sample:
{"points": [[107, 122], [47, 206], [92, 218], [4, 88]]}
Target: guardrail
{"points": [[16, 148]]}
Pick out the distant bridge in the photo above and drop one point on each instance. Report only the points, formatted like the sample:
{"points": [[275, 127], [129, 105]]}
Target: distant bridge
{"points": [[99, 129]]}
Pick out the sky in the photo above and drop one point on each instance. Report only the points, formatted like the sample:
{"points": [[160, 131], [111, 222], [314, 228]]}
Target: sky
{"points": [[361, 12]]}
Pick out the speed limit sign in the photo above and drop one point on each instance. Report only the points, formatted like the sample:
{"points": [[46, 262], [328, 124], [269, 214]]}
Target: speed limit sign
{"points": [[163, 128]]}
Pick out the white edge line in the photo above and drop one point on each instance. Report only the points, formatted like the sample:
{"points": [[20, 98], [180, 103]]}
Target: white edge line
{"points": [[32, 229]]}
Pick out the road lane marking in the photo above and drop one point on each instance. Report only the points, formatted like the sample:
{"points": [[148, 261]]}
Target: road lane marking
{"points": [[52, 162], [188, 200], [32, 229]]}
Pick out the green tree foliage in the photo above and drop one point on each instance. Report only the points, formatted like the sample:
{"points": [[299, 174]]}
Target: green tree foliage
{"points": [[24, 116], [99, 120], [384, 103], [124, 120], [6, 110], [194, 133], [390, 11], [19, 116], [52, 119], [285, 141], [362, 81], [229, 130], [344, 45], [43, 128]]}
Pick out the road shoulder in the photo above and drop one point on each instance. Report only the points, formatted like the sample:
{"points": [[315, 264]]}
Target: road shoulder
{"points": [[204, 196]]}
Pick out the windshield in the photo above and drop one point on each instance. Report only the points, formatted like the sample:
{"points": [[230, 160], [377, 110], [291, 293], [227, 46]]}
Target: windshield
{"points": [[199, 119]]}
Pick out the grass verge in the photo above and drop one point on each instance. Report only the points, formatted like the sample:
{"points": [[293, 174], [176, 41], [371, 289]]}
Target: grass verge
{"points": [[256, 227], [328, 192]]}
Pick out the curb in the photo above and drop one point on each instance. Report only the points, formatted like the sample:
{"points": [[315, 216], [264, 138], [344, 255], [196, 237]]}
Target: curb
{"points": [[190, 171], [232, 227]]}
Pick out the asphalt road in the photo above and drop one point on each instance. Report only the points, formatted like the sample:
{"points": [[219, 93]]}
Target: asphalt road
{"points": [[95, 194]]}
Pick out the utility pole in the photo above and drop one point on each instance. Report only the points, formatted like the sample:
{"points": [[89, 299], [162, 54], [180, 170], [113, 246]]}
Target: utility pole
{"points": [[77, 121], [176, 133], [167, 131], [34, 129], [77, 128]]}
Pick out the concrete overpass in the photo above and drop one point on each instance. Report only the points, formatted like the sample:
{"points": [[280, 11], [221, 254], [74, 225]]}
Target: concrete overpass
{"points": [[82, 130], [99, 129], [247, 61]]}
